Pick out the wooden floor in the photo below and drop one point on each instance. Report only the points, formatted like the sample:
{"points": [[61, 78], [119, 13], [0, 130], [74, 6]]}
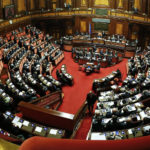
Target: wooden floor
{"points": [[4, 145]]}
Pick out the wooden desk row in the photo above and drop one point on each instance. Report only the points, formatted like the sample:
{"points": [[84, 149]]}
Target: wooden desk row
{"points": [[126, 50], [53, 118], [35, 129], [121, 134]]}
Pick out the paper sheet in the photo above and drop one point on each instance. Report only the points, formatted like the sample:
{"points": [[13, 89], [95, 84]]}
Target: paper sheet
{"points": [[122, 119], [98, 136], [130, 131], [38, 129], [8, 113], [16, 119], [107, 120], [53, 131], [25, 123]]}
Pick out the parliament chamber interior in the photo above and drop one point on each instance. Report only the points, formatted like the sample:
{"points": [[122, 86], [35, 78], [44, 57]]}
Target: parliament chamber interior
{"points": [[74, 74]]}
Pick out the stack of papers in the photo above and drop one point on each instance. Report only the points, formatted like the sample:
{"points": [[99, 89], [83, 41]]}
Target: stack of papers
{"points": [[98, 136]]}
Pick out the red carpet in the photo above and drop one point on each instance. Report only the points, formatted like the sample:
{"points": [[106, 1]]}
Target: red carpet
{"points": [[75, 96]]}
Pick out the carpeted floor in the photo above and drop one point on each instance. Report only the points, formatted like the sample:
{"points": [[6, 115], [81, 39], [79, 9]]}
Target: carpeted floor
{"points": [[75, 95]]}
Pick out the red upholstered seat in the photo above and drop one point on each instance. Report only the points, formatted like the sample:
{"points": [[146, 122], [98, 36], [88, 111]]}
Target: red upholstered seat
{"points": [[42, 143]]}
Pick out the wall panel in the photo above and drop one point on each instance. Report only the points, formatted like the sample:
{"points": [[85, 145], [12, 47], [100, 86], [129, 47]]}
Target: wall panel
{"points": [[83, 25], [21, 5], [32, 6], [41, 3], [6, 2], [1, 12], [69, 2], [137, 4], [119, 4], [83, 3], [101, 2], [119, 28]]}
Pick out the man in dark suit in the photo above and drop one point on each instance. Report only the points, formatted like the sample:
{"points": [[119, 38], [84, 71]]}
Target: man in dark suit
{"points": [[91, 99]]}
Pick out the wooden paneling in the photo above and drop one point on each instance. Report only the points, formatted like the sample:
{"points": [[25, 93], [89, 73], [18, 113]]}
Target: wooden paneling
{"points": [[21, 5], [148, 9], [83, 25], [22, 22], [119, 4], [126, 4], [32, 5], [1, 12], [144, 6], [48, 117], [101, 3], [131, 5], [69, 2], [6, 2], [51, 117], [119, 28], [90, 3], [41, 3], [137, 4], [134, 30], [81, 3], [112, 27], [69, 27], [84, 2]]}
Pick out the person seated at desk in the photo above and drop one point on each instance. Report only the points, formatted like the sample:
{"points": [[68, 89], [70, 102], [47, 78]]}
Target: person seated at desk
{"points": [[145, 115], [96, 67], [145, 94], [89, 67], [61, 78], [133, 120]]}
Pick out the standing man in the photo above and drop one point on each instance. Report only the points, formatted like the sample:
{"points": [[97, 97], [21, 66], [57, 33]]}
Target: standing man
{"points": [[91, 99]]}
